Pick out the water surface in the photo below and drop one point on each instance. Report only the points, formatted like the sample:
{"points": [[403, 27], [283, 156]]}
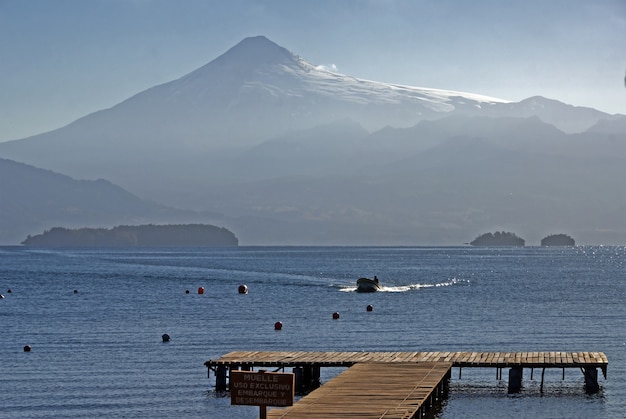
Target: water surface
{"points": [[94, 319]]}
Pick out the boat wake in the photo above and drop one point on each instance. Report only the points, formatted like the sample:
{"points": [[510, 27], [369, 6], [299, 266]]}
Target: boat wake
{"points": [[413, 287]]}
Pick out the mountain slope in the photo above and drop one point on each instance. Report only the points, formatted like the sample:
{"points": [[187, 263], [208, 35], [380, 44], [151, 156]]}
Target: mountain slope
{"points": [[34, 199], [567, 118]]}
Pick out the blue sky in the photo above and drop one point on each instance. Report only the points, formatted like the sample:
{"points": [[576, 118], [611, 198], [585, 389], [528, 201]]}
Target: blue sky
{"points": [[63, 59]]}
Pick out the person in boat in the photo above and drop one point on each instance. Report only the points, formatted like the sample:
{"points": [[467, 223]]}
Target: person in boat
{"points": [[375, 279]]}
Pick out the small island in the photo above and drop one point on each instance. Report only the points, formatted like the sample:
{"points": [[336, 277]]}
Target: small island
{"points": [[499, 238], [558, 240], [181, 235]]}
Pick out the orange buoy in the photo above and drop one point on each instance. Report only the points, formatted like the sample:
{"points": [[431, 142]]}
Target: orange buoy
{"points": [[278, 326], [336, 315], [243, 289], [200, 290], [369, 307]]}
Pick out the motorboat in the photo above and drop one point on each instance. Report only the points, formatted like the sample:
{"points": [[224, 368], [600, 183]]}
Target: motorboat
{"points": [[368, 285]]}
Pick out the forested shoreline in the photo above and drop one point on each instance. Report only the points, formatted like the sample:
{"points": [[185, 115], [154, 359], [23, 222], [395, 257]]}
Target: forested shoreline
{"points": [[135, 236]]}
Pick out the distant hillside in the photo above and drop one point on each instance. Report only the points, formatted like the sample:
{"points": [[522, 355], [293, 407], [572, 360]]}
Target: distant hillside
{"points": [[32, 200], [135, 236]]}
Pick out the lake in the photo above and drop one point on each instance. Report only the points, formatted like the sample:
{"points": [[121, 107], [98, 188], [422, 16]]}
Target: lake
{"points": [[94, 319]]}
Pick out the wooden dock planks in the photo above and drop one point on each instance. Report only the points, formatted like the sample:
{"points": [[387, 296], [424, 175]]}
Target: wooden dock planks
{"points": [[458, 359], [463, 359], [386, 390]]}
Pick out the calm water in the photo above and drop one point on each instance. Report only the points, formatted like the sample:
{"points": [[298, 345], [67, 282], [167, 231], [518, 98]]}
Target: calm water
{"points": [[99, 353]]}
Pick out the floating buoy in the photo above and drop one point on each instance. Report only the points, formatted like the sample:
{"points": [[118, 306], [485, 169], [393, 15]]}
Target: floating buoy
{"points": [[243, 289], [336, 315], [165, 337], [1, 296], [75, 291], [369, 307], [278, 326], [201, 290], [9, 291], [27, 348], [186, 291]]}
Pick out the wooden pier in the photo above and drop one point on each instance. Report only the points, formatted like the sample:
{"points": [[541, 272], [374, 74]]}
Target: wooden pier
{"points": [[375, 390], [394, 367]]}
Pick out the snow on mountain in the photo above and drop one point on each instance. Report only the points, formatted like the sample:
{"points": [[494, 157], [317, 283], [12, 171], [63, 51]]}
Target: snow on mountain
{"points": [[258, 64]]}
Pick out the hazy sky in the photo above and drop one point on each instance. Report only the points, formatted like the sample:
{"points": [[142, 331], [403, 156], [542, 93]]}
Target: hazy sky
{"points": [[63, 59]]}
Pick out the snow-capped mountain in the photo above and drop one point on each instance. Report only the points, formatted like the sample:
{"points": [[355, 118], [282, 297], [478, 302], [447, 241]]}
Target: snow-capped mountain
{"points": [[293, 153], [258, 90]]}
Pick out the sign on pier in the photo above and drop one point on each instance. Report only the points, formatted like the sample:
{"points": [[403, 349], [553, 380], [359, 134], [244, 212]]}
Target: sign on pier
{"points": [[261, 388]]}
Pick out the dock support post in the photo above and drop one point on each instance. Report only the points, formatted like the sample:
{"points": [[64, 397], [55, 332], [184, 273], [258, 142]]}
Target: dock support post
{"points": [[297, 371], [316, 372], [309, 378], [515, 379], [220, 378], [591, 380], [543, 371], [306, 378]]}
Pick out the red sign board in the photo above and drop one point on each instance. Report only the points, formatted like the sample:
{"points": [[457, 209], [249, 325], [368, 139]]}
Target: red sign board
{"points": [[261, 388]]}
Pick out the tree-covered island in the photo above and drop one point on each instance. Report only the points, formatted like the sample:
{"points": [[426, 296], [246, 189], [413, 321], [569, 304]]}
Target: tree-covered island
{"points": [[558, 240], [179, 235], [499, 238]]}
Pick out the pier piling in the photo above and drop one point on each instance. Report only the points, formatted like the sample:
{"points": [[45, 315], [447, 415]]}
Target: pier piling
{"points": [[221, 383], [515, 379], [591, 380]]}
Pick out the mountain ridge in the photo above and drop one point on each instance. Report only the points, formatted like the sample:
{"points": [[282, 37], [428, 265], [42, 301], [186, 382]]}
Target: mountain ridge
{"points": [[294, 154]]}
